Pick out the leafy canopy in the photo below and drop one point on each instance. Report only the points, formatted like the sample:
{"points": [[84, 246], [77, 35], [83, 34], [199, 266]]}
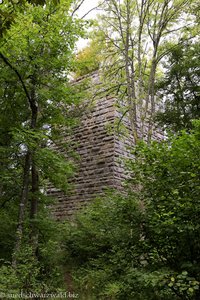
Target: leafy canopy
{"points": [[179, 87]]}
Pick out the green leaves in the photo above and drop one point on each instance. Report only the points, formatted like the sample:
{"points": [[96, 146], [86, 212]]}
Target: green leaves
{"points": [[145, 244], [180, 86], [36, 103], [54, 167], [88, 60], [39, 45], [100, 245], [169, 176], [184, 284]]}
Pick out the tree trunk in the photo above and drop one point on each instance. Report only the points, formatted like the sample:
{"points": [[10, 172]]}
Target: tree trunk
{"points": [[29, 164], [130, 82], [22, 207], [34, 174], [34, 206]]}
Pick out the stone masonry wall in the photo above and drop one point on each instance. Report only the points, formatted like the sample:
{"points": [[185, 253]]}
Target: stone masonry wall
{"points": [[96, 168], [101, 153]]}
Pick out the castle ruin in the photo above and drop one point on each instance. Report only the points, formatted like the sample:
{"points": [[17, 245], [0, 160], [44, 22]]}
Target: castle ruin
{"points": [[101, 153]]}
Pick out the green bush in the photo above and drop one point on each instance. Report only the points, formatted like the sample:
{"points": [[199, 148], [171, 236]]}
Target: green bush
{"points": [[36, 273], [145, 244]]}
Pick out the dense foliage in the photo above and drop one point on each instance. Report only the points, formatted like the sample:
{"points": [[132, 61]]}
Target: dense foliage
{"points": [[36, 56], [180, 87], [144, 245], [88, 59]]}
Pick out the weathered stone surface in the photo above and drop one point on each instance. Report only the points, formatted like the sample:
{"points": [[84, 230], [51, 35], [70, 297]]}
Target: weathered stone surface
{"points": [[101, 152]]}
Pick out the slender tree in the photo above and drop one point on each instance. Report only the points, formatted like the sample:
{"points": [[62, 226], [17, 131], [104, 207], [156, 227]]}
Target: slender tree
{"points": [[36, 56], [135, 35]]}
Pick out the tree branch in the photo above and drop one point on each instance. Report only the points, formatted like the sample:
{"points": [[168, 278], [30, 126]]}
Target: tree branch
{"points": [[18, 75], [77, 7], [96, 7]]}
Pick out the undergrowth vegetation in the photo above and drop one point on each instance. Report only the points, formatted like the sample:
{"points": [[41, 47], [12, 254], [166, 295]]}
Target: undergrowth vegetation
{"points": [[143, 245]]}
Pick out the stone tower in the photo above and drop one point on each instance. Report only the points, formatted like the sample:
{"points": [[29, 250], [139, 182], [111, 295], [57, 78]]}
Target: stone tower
{"points": [[101, 154]]}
